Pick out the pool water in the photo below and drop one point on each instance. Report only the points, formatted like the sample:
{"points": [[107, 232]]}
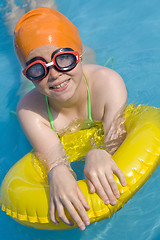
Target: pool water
{"points": [[129, 31]]}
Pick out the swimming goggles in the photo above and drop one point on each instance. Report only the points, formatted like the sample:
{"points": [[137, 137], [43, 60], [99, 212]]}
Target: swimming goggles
{"points": [[63, 59]]}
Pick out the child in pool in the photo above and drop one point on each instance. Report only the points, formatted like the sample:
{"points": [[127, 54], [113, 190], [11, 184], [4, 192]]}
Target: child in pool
{"points": [[49, 48]]}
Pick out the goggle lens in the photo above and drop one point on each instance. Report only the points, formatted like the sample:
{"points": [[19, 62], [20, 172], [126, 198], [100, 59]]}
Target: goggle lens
{"points": [[35, 72], [65, 61]]}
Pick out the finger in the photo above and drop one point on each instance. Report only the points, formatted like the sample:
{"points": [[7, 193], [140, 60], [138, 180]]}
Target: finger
{"points": [[81, 210], [62, 215], [52, 212], [91, 186], [113, 186], [108, 191], [75, 216], [117, 171], [100, 190], [82, 199]]}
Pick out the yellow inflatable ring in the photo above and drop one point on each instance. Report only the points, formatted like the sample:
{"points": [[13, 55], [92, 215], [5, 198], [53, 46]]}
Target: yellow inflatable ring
{"points": [[25, 190]]}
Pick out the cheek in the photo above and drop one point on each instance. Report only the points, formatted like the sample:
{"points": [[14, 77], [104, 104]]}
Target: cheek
{"points": [[77, 71], [41, 84]]}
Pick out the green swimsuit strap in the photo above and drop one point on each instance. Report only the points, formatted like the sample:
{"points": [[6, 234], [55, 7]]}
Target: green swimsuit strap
{"points": [[89, 102], [89, 108], [50, 114]]}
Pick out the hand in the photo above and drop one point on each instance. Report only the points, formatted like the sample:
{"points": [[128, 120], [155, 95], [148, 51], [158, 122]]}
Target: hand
{"points": [[65, 192], [98, 171]]}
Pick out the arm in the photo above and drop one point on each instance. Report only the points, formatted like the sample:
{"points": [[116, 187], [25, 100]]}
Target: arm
{"points": [[100, 167], [113, 119], [64, 190]]}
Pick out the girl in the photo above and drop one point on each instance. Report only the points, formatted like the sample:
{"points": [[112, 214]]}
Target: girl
{"points": [[50, 50]]}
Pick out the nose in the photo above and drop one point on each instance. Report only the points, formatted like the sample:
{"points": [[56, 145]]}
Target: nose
{"points": [[53, 73]]}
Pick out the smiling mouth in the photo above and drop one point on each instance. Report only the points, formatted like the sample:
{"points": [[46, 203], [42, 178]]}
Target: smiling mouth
{"points": [[60, 85]]}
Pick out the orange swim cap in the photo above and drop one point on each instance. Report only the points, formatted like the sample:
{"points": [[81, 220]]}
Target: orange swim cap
{"points": [[44, 27]]}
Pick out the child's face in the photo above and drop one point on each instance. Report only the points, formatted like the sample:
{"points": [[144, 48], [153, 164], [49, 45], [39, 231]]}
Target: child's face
{"points": [[56, 84]]}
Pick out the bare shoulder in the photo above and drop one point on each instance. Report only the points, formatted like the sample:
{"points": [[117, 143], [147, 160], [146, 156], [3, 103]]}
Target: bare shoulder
{"points": [[30, 100], [32, 104], [98, 75], [107, 89], [104, 80]]}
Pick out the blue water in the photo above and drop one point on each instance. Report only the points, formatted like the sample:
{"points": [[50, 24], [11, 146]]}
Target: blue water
{"points": [[129, 31]]}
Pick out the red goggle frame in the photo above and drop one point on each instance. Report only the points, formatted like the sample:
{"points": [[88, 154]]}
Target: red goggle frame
{"points": [[42, 66]]}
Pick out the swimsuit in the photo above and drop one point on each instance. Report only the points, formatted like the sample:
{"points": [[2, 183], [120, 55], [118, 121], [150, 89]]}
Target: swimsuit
{"points": [[77, 144], [87, 124]]}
